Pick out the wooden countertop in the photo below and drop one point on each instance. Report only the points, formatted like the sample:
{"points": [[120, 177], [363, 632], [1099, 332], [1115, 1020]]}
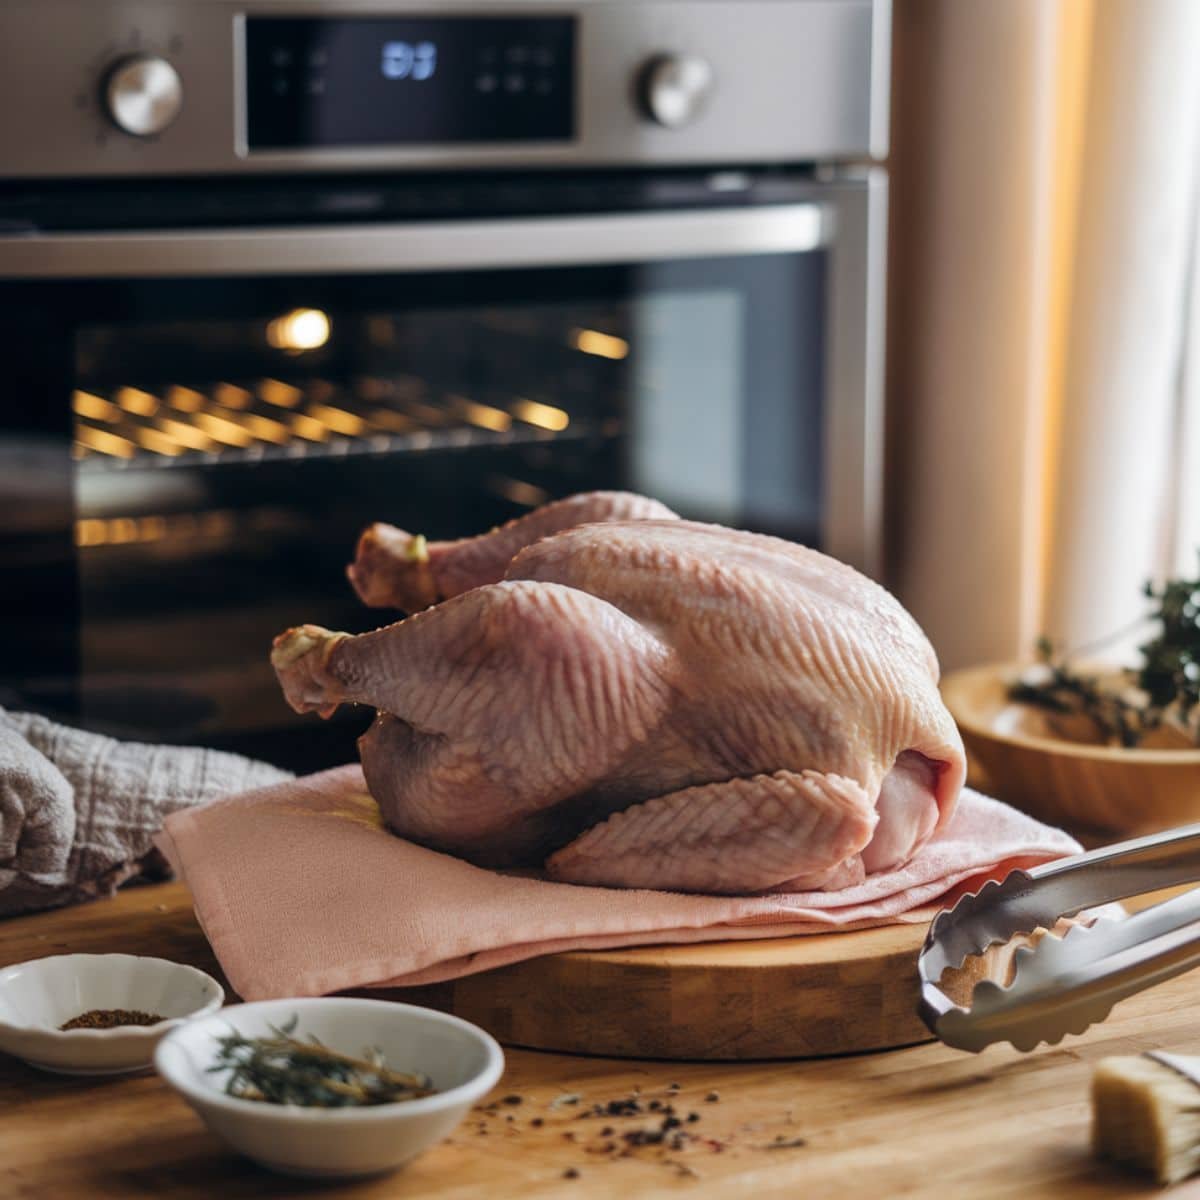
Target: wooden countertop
{"points": [[924, 1122]]}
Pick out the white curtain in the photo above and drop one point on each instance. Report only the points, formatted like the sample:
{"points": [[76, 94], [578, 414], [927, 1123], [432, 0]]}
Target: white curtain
{"points": [[1118, 501], [1187, 470], [1044, 378]]}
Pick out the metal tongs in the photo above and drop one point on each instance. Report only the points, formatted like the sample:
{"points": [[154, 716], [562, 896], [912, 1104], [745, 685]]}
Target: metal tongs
{"points": [[1065, 984]]}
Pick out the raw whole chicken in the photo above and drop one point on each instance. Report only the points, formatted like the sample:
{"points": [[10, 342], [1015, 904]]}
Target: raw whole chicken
{"points": [[635, 700]]}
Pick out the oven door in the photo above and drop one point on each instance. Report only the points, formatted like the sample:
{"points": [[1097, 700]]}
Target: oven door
{"points": [[197, 424]]}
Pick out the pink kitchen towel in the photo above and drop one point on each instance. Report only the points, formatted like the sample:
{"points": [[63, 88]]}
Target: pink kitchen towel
{"points": [[301, 891]]}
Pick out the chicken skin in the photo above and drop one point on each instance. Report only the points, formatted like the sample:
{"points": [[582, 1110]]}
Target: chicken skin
{"points": [[635, 700]]}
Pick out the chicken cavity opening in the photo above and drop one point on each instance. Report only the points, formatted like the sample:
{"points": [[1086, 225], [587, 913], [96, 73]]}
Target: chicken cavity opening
{"points": [[908, 811]]}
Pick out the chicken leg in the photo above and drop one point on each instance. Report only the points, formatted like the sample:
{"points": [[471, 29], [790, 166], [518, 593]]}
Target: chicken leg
{"points": [[395, 569], [500, 704]]}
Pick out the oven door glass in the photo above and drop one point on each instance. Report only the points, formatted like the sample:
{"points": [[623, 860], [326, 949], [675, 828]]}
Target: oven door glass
{"points": [[191, 459]]}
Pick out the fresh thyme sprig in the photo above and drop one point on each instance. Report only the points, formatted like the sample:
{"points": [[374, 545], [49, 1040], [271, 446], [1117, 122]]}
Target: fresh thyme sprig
{"points": [[282, 1069], [1163, 691], [1170, 674]]}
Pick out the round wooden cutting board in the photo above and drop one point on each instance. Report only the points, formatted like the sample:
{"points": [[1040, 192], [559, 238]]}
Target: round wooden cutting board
{"points": [[797, 997]]}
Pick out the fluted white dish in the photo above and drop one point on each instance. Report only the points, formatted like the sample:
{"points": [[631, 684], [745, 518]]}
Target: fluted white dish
{"points": [[462, 1062], [37, 997]]}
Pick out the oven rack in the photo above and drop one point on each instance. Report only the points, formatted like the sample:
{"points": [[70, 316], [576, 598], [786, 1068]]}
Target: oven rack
{"points": [[377, 444], [178, 427]]}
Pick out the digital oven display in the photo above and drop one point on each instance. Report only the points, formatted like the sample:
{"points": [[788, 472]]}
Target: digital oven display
{"points": [[406, 81]]}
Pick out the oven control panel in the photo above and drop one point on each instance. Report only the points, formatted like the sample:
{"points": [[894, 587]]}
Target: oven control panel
{"points": [[361, 81], [167, 88], [142, 94]]}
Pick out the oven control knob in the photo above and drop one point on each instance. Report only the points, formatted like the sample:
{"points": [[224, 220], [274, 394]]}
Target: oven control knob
{"points": [[143, 95], [673, 88]]}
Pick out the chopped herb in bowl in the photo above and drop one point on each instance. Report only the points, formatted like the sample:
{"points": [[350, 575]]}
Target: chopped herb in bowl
{"points": [[282, 1069], [1156, 701]]}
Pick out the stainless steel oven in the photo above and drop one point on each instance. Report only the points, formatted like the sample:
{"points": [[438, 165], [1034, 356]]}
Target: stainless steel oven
{"points": [[271, 271]]}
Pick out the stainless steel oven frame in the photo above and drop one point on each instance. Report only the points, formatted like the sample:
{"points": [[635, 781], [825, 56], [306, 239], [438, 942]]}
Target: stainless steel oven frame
{"points": [[844, 216], [793, 81]]}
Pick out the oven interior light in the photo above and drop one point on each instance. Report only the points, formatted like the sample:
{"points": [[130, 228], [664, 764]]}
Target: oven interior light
{"points": [[264, 428], [605, 345], [483, 415], [300, 329], [124, 531], [223, 430], [184, 399], [105, 442], [90, 532], [338, 419], [544, 416], [309, 427], [518, 491], [246, 421], [185, 434], [86, 404], [280, 394], [229, 395], [134, 400], [158, 442], [391, 420]]}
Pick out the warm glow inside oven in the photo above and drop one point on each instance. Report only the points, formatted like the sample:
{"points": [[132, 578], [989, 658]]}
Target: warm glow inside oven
{"points": [[213, 511]]}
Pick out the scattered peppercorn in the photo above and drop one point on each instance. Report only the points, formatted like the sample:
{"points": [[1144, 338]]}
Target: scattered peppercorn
{"points": [[607, 1131], [513, 1100], [537, 1122], [110, 1018], [712, 1097], [571, 1173], [692, 1117]]}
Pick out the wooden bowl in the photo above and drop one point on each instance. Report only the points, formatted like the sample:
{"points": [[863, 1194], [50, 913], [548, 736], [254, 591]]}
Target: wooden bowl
{"points": [[1085, 788]]}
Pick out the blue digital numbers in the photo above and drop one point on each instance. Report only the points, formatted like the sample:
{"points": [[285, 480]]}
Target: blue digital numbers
{"points": [[409, 60]]}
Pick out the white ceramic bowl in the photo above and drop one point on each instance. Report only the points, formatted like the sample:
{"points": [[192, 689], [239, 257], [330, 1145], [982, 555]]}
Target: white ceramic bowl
{"points": [[37, 997], [462, 1061]]}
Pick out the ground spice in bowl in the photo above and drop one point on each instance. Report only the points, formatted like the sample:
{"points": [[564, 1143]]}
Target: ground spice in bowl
{"points": [[110, 1018]]}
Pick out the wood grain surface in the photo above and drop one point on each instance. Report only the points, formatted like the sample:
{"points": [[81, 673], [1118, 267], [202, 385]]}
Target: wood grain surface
{"points": [[793, 997], [925, 1122], [1105, 790]]}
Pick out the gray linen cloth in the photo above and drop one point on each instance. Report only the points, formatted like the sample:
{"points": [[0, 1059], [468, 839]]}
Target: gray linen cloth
{"points": [[78, 810]]}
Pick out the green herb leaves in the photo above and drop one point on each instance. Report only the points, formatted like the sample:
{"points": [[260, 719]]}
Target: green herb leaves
{"points": [[1170, 675], [1163, 692], [282, 1069]]}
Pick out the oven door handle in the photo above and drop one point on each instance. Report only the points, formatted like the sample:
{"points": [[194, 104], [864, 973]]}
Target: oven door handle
{"points": [[385, 248]]}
